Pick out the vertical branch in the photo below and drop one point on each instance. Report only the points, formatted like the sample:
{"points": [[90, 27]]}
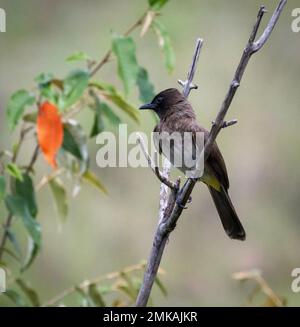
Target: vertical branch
{"points": [[188, 84], [166, 220], [164, 190]]}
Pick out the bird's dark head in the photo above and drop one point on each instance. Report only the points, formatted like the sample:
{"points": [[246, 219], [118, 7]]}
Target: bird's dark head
{"points": [[164, 101]]}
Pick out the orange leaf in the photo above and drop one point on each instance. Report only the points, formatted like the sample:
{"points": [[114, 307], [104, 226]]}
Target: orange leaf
{"points": [[49, 131]]}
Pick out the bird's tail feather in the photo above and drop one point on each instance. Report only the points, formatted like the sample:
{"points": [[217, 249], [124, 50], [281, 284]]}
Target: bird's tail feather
{"points": [[229, 218]]}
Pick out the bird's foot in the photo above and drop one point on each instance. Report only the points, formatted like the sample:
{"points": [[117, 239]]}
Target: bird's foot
{"points": [[179, 202], [180, 205]]}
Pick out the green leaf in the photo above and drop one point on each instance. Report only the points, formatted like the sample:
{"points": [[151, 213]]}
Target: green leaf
{"points": [[96, 296], [102, 111], [44, 78], [75, 142], [102, 108], [23, 204], [157, 4], [73, 87], [98, 125], [18, 207], [109, 114], [15, 243], [25, 189], [87, 300], [128, 287], [2, 187], [91, 178], [165, 43], [11, 254], [50, 89], [14, 171], [128, 69], [29, 292], [146, 88], [16, 106], [105, 289], [32, 252], [127, 290], [50, 93], [60, 198], [78, 56], [110, 93], [15, 297], [161, 286]]}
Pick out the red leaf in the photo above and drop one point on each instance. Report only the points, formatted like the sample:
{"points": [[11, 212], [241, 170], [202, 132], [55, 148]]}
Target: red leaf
{"points": [[49, 131]]}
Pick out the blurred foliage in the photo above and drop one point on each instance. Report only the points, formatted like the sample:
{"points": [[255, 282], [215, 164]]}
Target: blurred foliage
{"points": [[271, 298], [66, 98], [118, 289]]}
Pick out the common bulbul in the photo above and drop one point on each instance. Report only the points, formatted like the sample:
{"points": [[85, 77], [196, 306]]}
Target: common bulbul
{"points": [[177, 115]]}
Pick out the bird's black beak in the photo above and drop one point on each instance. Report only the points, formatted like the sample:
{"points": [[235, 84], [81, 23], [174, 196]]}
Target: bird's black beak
{"points": [[148, 106]]}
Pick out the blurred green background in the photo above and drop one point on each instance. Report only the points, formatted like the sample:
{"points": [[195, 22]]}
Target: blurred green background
{"points": [[106, 233]]}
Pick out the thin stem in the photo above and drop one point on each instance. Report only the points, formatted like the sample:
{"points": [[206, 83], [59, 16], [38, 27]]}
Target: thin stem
{"points": [[6, 227], [154, 165], [268, 30], [9, 219], [48, 178], [33, 159], [108, 54], [96, 280], [189, 83]]}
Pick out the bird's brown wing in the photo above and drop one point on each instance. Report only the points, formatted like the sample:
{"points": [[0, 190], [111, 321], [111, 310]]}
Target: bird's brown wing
{"points": [[184, 121], [157, 129], [215, 163]]}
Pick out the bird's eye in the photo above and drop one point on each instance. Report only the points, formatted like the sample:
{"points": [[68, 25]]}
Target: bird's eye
{"points": [[159, 100]]}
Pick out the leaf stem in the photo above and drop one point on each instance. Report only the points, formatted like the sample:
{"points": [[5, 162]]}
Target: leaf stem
{"points": [[96, 280], [108, 54]]}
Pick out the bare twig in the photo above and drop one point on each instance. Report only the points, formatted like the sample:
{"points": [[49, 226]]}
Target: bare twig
{"points": [[171, 218], [33, 159], [154, 166], [188, 84], [268, 30], [24, 131], [166, 222], [227, 123]]}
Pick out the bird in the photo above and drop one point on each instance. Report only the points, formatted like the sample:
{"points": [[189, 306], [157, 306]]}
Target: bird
{"points": [[176, 114]]}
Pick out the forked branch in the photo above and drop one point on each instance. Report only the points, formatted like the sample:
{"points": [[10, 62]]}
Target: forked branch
{"points": [[177, 200]]}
